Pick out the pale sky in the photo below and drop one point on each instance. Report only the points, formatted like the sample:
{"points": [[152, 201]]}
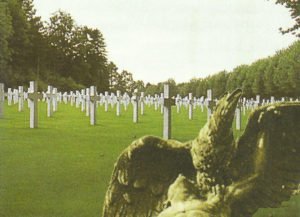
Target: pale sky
{"points": [[181, 39]]}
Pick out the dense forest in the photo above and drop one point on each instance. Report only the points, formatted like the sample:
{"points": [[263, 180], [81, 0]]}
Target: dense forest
{"points": [[70, 56], [57, 52]]}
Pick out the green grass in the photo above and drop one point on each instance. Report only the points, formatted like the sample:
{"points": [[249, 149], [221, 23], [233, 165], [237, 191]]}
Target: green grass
{"points": [[62, 169]]}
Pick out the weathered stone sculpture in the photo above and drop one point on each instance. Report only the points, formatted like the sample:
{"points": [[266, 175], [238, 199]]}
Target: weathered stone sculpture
{"points": [[211, 175]]}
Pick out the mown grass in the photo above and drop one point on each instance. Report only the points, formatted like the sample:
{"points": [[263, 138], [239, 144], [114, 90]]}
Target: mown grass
{"points": [[62, 168]]}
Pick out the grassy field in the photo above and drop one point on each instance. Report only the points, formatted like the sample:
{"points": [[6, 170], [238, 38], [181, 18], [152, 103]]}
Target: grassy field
{"points": [[62, 168]]}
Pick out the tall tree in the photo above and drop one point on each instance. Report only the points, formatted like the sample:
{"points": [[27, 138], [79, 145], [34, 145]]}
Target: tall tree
{"points": [[37, 42], [219, 83], [96, 58], [113, 76], [139, 85], [257, 70], [5, 34], [19, 42], [125, 82], [60, 31], [77, 52]]}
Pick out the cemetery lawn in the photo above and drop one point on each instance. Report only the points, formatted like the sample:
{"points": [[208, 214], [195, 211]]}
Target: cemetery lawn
{"points": [[62, 169]]}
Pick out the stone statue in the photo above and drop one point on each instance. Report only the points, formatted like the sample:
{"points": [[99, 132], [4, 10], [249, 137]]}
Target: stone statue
{"points": [[212, 175]]}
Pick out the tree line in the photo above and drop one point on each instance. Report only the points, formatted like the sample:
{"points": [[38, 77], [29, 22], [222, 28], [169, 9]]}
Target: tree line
{"points": [[57, 52], [277, 75], [69, 56]]}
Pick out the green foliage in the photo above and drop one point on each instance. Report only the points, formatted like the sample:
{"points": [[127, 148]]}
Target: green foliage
{"points": [[277, 76], [5, 34], [77, 51], [294, 8], [123, 81], [152, 89], [58, 51]]}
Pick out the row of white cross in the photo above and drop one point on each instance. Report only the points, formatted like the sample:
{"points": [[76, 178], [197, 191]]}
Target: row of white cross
{"points": [[88, 100]]}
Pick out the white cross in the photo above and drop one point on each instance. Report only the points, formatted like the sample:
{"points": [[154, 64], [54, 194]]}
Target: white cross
{"points": [[191, 102], [135, 101], [55, 94], [87, 102], [118, 109], [93, 105], [49, 96], [167, 102], [21, 98], [33, 97]]}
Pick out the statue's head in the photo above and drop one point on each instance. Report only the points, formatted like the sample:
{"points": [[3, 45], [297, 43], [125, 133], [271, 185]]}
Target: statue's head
{"points": [[217, 135]]}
